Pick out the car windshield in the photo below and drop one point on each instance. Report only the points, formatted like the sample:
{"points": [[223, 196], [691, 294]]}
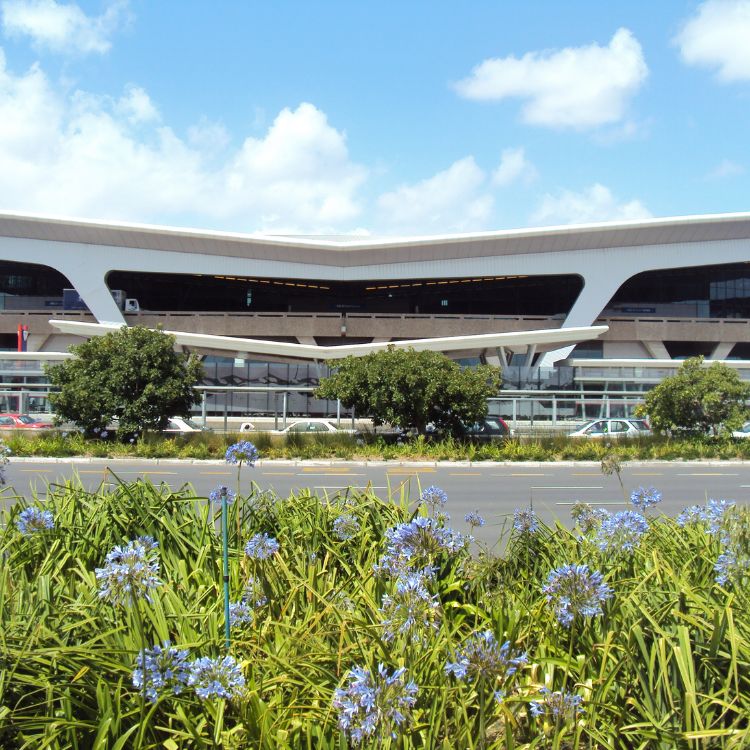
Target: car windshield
{"points": [[190, 423], [640, 424], [26, 419]]}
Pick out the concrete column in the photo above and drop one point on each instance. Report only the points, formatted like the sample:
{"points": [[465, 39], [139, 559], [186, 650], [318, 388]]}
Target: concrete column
{"points": [[721, 350], [656, 350]]}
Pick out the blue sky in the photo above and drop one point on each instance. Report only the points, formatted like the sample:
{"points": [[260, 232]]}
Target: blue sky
{"points": [[387, 118]]}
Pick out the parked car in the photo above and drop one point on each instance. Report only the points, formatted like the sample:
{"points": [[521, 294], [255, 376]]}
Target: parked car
{"points": [[182, 425], [23, 422], [490, 428], [743, 432], [247, 427], [312, 426], [613, 428]]}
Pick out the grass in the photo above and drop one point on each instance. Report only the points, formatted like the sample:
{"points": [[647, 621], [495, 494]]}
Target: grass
{"points": [[666, 666], [344, 446]]}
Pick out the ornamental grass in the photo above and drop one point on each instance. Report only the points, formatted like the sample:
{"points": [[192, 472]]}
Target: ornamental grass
{"points": [[382, 630]]}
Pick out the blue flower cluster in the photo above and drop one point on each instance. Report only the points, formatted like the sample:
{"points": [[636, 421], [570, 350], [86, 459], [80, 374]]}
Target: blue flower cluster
{"points": [[621, 532], [161, 669], [574, 591], [645, 497], [4, 453], [482, 658], [216, 678], [434, 498], [557, 704], [221, 492], [243, 452], [731, 566], [411, 611], [371, 704], [261, 546], [525, 521], [474, 519], [587, 517], [712, 513], [240, 613], [34, 520], [131, 572], [410, 545], [345, 526]]}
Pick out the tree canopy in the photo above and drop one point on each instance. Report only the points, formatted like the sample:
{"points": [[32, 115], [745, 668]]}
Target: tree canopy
{"points": [[407, 388], [697, 399], [132, 375]]}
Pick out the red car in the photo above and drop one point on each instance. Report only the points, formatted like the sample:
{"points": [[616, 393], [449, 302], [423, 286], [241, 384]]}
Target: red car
{"points": [[22, 421]]}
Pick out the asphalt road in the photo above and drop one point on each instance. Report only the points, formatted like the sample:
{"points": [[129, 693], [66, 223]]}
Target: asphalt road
{"points": [[495, 490]]}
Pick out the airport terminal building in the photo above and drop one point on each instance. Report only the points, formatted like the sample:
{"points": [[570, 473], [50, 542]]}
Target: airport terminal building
{"points": [[609, 305]]}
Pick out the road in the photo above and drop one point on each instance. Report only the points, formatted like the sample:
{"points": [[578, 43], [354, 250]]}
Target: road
{"points": [[492, 489]]}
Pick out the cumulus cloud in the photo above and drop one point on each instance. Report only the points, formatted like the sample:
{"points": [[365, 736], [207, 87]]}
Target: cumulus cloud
{"points": [[575, 87], [595, 203], [81, 155], [514, 167], [454, 200], [62, 27], [716, 36]]}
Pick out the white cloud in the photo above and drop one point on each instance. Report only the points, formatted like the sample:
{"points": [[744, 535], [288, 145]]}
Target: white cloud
{"points": [[514, 167], [725, 168], [716, 36], [576, 87], [83, 155], [62, 27], [454, 200], [595, 203]]}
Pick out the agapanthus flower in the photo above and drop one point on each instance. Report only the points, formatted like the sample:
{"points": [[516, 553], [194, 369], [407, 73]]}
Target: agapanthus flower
{"points": [[217, 495], [131, 572], [525, 521], [587, 517], [410, 545], [556, 704], [216, 678], [261, 546], [645, 497], [481, 657], [4, 453], [621, 532], [253, 593], [411, 610], [243, 452], [731, 567], [240, 613], [160, 670], [434, 498], [712, 513], [34, 520], [374, 705], [474, 519], [345, 526], [573, 591]]}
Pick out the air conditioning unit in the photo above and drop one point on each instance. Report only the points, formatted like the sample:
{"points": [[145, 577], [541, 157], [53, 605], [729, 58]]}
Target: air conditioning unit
{"points": [[131, 305]]}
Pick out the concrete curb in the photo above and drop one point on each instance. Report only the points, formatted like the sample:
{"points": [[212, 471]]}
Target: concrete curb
{"points": [[85, 460]]}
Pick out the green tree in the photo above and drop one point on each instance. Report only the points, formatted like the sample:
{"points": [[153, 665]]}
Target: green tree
{"points": [[407, 388], [698, 399], [133, 375]]}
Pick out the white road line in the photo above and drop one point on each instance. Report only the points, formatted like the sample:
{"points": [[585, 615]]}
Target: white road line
{"points": [[708, 474], [568, 488], [614, 502]]}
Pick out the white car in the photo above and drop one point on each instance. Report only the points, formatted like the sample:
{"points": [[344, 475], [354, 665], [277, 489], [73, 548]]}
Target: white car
{"points": [[613, 428], [181, 425], [743, 432], [312, 426]]}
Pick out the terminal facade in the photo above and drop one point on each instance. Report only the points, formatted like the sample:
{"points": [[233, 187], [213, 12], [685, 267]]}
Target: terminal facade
{"points": [[664, 288]]}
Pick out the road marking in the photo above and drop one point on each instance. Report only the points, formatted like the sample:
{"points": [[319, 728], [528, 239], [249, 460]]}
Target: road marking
{"points": [[334, 474], [410, 472], [567, 488], [93, 471], [36, 471], [708, 474], [519, 475], [613, 502], [279, 473], [342, 470]]}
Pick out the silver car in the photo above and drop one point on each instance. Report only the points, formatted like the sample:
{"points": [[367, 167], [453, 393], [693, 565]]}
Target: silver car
{"points": [[613, 428]]}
